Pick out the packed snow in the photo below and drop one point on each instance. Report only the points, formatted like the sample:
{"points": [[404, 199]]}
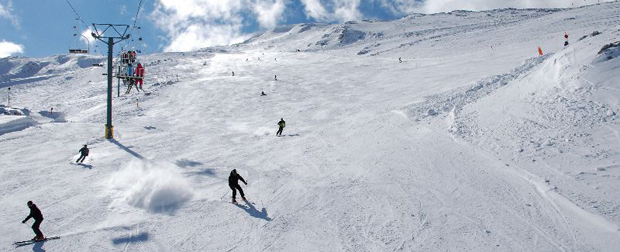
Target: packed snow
{"points": [[473, 143]]}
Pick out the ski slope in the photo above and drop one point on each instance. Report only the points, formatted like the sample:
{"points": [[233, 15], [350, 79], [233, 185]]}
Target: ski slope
{"points": [[472, 143]]}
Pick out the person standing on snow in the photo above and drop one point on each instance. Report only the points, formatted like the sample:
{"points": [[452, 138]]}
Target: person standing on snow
{"points": [[233, 183], [281, 124], [83, 154], [36, 214]]}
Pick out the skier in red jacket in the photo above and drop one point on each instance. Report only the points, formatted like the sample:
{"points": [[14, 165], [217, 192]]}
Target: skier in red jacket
{"points": [[139, 76]]}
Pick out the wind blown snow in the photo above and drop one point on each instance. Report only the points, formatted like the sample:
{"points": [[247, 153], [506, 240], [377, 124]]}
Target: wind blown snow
{"points": [[156, 187]]}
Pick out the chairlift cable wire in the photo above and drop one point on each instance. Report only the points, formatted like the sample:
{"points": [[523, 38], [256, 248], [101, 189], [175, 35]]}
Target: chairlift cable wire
{"points": [[76, 13], [84, 23], [135, 19]]}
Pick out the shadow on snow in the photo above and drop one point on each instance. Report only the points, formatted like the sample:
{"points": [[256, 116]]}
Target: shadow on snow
{"points": [[141, 237], [125, 148], [254, 212]]}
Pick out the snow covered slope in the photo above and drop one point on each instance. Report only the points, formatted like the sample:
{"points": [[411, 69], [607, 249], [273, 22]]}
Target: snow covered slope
{"points": [[472, 143]]}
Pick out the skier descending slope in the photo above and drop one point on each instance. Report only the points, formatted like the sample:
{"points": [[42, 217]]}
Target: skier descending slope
{"points": [[36, 214], [281, 124], [83, 154], [233, 183]]}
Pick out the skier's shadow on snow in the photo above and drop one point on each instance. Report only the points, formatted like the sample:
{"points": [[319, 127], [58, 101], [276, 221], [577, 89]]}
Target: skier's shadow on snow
{"points": [[85, 165], [125, 148], [142, 237], [254, 212], [38, 247], [187, 163]]}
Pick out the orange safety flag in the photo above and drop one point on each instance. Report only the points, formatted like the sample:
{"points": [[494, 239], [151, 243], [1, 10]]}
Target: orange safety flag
{"points": [[540, 51]]}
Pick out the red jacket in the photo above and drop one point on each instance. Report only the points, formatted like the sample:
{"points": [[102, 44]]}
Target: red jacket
{"points": [[140, 70]]}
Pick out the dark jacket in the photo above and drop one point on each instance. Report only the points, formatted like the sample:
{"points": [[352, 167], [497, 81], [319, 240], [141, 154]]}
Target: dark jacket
{"points": [[35, 213], [281, 123], [84, 151], [234, 178]]}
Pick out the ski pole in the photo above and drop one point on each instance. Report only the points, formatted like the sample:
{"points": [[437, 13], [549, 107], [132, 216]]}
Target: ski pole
{"points": [[222, 198]]}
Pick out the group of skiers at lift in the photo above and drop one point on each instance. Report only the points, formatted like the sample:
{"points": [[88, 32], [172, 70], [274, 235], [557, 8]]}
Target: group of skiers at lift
{"points": [[133, 76]]}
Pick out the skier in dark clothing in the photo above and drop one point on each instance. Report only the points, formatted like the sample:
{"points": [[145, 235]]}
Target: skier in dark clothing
{"points": [[262, 93], [281, 124], [36, 214], [233, 183], [83, 154]]}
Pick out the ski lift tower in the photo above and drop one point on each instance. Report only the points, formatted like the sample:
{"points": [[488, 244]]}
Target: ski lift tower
{"points": [[118, 36]]}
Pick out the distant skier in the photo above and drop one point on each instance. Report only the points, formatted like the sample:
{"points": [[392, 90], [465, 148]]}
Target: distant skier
{"points": [[83, 154], [399, 60], [36, 214], [262, 93], [281, 124], [233, 73], [233, 183], [275, 77]]}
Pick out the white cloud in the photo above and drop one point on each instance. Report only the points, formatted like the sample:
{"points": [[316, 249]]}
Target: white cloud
{"points": [[123, 10], [197, 36], [269, 12], [9, 48], [400, 7], [433, 6], [335, 10], [193, 24], [6, 10], [347, 10], [86, 37], [314, 9]]}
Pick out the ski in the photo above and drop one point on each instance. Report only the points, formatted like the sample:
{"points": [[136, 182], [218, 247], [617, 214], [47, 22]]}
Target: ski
{"points": [[28, 242]]}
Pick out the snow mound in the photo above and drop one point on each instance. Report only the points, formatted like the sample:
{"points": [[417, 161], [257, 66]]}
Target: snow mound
{"points": [[156, 187], [609, 52], [14, 119], [55, 116], [10, 124], [85, 62], [283, 29]]}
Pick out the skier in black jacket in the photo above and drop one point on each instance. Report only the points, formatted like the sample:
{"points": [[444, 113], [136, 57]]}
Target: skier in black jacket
{"points": [[233, 183], [83, 154], [36, 214]]}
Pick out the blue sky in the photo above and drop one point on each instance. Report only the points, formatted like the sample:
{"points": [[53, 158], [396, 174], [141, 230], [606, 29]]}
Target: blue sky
{"points": [[38, 28]]}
